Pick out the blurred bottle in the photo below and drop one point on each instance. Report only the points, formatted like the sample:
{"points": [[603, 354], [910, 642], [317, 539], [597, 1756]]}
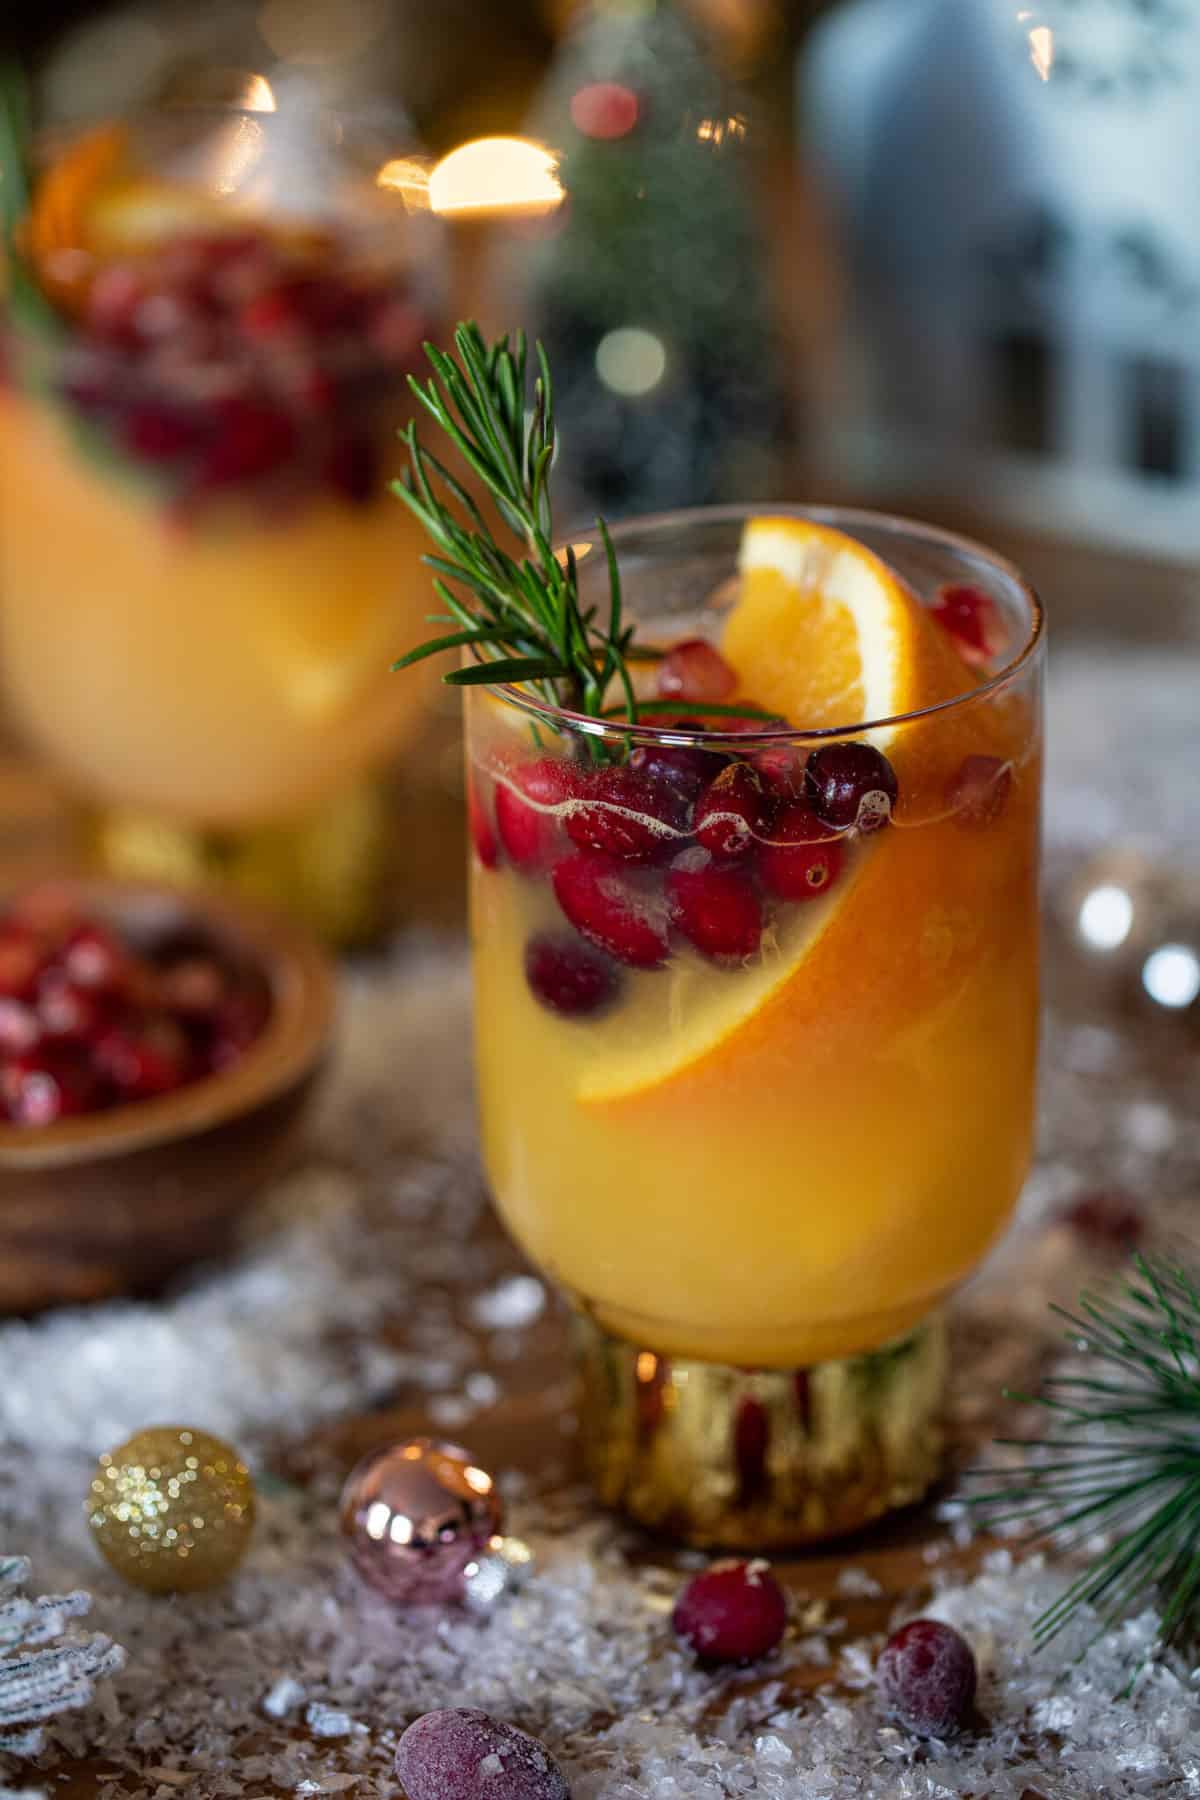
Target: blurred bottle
{"points": [[1024, 256], [213, 307], [651, 291]]}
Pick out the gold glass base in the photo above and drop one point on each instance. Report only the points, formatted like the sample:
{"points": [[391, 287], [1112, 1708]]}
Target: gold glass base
{"points": [[333, 868], [759, 1459]]}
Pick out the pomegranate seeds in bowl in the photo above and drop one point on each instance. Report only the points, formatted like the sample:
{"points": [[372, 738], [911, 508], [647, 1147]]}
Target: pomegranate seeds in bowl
{"points": [[95, 1020]]}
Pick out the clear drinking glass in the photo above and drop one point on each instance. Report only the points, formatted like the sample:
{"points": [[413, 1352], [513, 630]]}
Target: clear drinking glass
{"points": [[758, 1176]]}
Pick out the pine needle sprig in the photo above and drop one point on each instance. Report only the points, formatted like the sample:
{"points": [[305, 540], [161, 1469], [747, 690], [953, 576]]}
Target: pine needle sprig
{"points": [[1122, 1457], [521, 615]]}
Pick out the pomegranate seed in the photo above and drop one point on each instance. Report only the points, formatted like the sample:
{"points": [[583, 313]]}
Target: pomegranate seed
{"points": [[158, 433], [800, 859], [525, 815], [482, 835], [973, 620], [252, 438], [142, 1061], [979, 791], [67, 1010], [352, 469], [1108, 1219], [195, 986], [926, 1677], [458, 1753], [731, 811], [20, 1027], [695, 672], [716, 909], [49, 1083], [599, 899], [732, 1612], [680, 765], [92, 957], [239, 1021], [20, 961], [567, 977], [627, 815], [851, 784]]}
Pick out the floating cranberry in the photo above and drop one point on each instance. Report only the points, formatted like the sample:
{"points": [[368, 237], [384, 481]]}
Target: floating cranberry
{"points": [[716, 909], [1107, 1219], [252, 438], [978, 791], [731, 811], [352, 469], [483, 837], [626, 814], [732, 1612], [526, 803], [270, 314], [851, 784], [972, 619], [568, 977], [142, 1061], [93, 957], [158, 433], [695, 672], [800, 859], [193, 986], [114, 298], [926, 1676], [67, 1009], [20, 961], [682, 766], [48, 1083], [20, 1027], [598, 896], [781, 770], [461, 1754]]}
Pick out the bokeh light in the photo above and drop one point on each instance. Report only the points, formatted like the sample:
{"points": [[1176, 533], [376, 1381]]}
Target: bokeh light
{"points": [[496, 174]]}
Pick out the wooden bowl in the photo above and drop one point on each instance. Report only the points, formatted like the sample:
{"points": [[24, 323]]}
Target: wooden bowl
{"points": [[116, 1201]]}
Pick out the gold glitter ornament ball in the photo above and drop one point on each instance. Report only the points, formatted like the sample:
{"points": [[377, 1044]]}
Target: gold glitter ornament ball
{"points": [[172, 1509]]}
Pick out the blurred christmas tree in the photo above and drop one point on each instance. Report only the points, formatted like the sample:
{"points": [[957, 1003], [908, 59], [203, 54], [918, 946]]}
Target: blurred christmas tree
{"points": [[651, 295]]}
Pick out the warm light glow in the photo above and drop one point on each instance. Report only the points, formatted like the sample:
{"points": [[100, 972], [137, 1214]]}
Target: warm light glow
{"points": [[631, 361], [257, 95], [604, 110], [647, 1365], [236, 151], [1171, 975], [715, 131], [378, 1518], [407, 178], [478, 1480], [401, 1529], [493, 175], [1041, 50], [1106, 916]]}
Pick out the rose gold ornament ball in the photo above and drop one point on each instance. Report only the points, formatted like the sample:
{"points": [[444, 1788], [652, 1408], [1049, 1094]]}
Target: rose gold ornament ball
{"points": [[416, 1516]]}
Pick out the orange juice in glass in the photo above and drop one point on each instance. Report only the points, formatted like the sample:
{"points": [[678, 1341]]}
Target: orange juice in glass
{"points": [[756, 1004], [201, 568]]}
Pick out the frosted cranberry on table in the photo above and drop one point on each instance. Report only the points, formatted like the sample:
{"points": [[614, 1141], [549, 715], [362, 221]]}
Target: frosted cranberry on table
{"points": [[926, 1677], [459, 1753], [732, 1612]]}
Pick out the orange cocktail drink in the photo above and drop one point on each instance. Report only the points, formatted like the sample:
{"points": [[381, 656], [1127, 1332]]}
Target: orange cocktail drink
{"points": [[757, 1003]]}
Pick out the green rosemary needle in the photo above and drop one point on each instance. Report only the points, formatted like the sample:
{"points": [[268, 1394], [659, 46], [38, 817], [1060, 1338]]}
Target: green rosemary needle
{"points": [[1121, 1457]]}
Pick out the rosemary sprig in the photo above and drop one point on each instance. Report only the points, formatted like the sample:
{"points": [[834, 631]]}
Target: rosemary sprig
{"points": [[522, 616], [1122, 1456], [18, 285]]}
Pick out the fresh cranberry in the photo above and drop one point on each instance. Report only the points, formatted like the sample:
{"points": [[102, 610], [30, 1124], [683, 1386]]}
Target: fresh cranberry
{"points": [[568, 977], [1108, 1219], [599, 898], [683, 766], [926, 1676], [252, 438], [851, 784], [781, 770], [142, 1061], [48, 1083], [66, 1009], [396, 330], [458, 1753], [20, 961], [158, 433], [716, 909], [696, 673], [973, 621], [731, 811], [270, 313], [483, 837], [800, 859], [732, 1612], [978, 792], [114, 298], [352, 469], [626, 814], [93, 957], [525, 809], [20, 1027]]}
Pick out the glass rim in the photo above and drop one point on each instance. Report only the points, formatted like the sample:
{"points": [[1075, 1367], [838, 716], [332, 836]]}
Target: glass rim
{"points": [[585, 724]]}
